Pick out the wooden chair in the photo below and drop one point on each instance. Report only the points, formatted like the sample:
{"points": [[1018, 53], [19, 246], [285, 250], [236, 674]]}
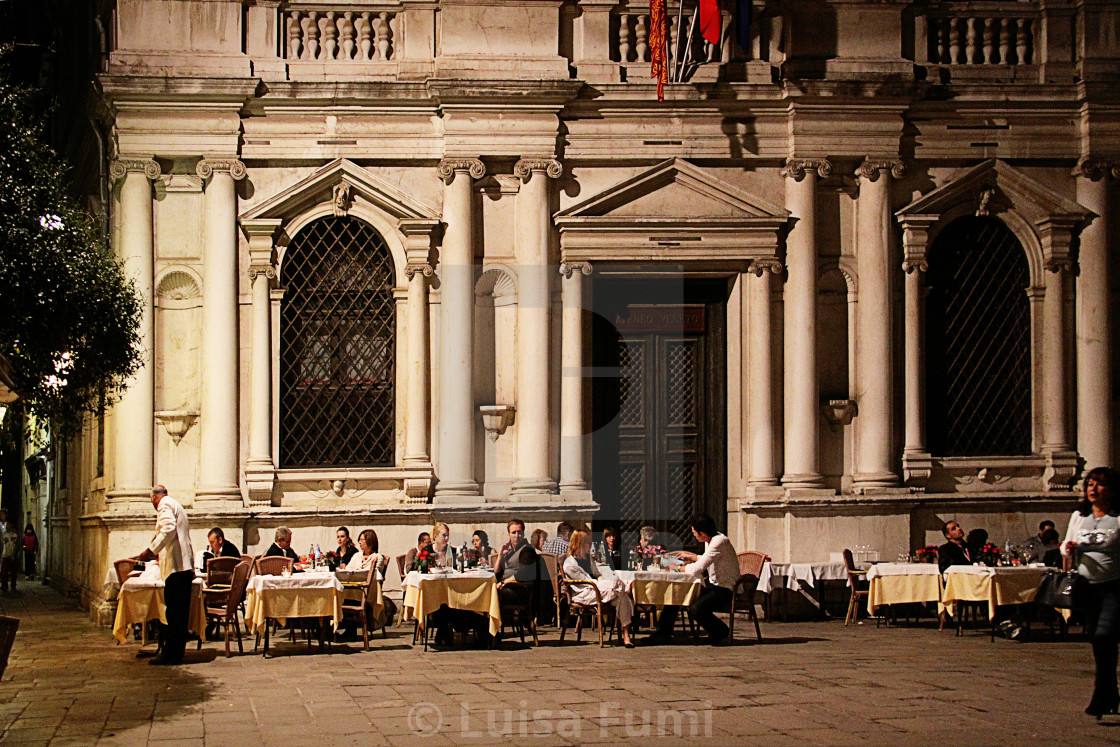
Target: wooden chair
{"points": [[273, 565], [856, 579], [250, 558], [8, 627], [352, 608], [750, 566], [552, 568], [124, 567], [219, 571], [225, 614], [400, 565], [579, 610], [520, 614]]}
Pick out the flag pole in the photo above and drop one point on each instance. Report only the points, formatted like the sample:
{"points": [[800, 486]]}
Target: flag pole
{"points": [[680, 25], [688, 42]]}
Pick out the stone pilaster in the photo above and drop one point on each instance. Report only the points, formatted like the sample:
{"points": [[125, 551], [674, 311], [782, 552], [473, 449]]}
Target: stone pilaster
{"points": [[571, 377], [760, 383], [260, 466]]}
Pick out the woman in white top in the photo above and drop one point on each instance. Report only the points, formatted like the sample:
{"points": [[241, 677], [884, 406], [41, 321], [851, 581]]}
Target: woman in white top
{"points": [[578, 567], [444, 552], [1093, 540], [367, 543]]}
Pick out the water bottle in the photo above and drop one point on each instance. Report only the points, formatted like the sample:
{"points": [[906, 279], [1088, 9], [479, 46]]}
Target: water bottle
{"points": [[311, 555], [633, 565]]}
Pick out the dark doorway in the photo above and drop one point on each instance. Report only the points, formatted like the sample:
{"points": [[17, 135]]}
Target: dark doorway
{"points": [[659, 405]]}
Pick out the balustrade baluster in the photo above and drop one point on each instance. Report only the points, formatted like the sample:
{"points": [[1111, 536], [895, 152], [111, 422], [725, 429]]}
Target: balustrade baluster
{"points": [[641, 37], [365, 37], [1026, 47], [347, 26], [330, 35], [311, 34], [941, 39], [970, 42], [624, 37], [383, 35], [1004, 39], [989, 28], [954, 41], [295, 36]]}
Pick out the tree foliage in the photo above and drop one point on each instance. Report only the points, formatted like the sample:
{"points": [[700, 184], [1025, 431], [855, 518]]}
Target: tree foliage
{"points": [[69, 315]]}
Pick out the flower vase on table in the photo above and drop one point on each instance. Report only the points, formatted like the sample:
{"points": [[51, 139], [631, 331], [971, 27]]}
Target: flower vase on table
{"points": [[331, 559], [424, 561], [988, 555], [927, 554]]}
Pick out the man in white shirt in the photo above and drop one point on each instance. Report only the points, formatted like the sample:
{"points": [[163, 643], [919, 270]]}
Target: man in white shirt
{"points": [[172, 545], [722, 566]]}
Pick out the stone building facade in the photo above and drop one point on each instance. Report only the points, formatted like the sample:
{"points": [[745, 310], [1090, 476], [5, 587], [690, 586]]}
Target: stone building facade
{"points": [[454, 260]]}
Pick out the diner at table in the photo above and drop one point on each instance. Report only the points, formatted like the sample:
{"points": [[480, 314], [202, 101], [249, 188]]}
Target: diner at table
{"points": [[282, 546], [423, 542], [346, 549], [579, 567], [218, 546]]}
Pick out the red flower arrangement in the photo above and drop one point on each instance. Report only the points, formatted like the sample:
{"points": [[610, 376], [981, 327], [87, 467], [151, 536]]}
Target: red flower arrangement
{"points": [[425, 559], [988, 555], [927, 554]]}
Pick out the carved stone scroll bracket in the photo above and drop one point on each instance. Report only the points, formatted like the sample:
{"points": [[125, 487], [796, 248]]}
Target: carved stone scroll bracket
{"points": [[871, 168], [121, 167], [423, 268], [524, 168], [269, 271], [207, 167], [912, 264], [1059, 264], [448, 167], [795, 168], [567, 269], [760, 266]]}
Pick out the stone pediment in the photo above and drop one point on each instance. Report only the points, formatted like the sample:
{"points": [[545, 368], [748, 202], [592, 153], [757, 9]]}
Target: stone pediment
{"points": [[320, 188], [675, 212]]}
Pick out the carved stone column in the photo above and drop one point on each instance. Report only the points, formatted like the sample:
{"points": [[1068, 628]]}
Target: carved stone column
{"points": [[915, 439], [260, 468], [571, 377], [218, 449], [416, 426], [533, 232], [760, 386], [134, 414], [1094, 325], [875, 466], [457, 412], [1055, 432], [801, 388]]}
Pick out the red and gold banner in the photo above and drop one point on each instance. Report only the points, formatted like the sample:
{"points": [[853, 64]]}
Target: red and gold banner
{"points": [[657, 47]]}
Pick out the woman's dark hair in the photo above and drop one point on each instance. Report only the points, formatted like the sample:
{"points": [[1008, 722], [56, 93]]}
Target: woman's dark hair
{"points": [[1050, 536], [1106, 476], [705, 524], [350, 542], [485, 540], [29, 529], [977, 538], [610, 532], [370, 537]]}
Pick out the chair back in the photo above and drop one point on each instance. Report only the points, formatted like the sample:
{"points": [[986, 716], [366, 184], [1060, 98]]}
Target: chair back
{"points": [[250, 558], [751, 562], [551, 562], [273, 565], [219, 571], [239, 579], [8, 627], [854, 574], [123, 567], [400, 565]]}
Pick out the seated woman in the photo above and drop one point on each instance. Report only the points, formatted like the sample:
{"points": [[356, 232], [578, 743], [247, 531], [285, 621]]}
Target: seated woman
{"points": [[444, 552], [479, 553], [646, 548], [578, 567], [613, 547], [346, 549], [367, 542], [423, 542], [1050, 549], [538, 538]]}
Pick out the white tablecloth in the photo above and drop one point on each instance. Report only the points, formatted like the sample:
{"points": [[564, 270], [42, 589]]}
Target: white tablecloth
{"points": [[793, 575], [629, 577], [311, 580], [414, 578], [902, 569]]}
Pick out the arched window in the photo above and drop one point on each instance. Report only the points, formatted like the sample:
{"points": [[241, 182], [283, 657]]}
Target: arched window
{"points": [[337, 348], [978, 347]]}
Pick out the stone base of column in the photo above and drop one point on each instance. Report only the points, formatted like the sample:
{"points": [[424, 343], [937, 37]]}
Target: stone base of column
{"points": [[917, 467], [874, 480], [805, 480], [1062, 467], [533, 489], [765, 492], [260, 477], [456, 492], [129, 499], [794, 494], [573, 494], [211, 495]]}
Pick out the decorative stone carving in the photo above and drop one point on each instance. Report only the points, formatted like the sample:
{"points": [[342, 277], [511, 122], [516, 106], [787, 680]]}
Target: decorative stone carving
{"points": [[910, 264], [269, 271], [207, 166], [448, 166], [795, 168], [424, 268], [567, 269], [985, 198], [526, 166], [760, 266], [341, 199], [177, 422], [496, 418], [870, 168], [1059, 264], [177, 285], [1095, 169], [119, 168]]}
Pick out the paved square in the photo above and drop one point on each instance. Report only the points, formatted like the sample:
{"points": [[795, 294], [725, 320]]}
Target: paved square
{"points": [[67, 682]]}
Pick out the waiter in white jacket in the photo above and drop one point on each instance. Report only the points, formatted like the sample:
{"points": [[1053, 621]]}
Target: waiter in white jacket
{"points": [[722, 566], [172, 545]]}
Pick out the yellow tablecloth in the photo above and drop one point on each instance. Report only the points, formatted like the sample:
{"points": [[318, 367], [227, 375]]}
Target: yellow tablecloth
{"points": [[660, 589], [141, 600], [426, 593], [903, 589], [280, 598], [352, 584], [996, 586]]}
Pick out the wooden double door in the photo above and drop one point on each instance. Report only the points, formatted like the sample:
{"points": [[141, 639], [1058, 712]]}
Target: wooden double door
{"points": [[659, 399]]}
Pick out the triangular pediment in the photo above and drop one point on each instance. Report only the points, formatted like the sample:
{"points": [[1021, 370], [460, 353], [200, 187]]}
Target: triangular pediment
{"points": [[995, 185], [319, 187], [675, 190]]}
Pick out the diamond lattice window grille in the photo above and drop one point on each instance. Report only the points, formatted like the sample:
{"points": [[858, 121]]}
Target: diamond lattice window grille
{"points": [[337, 348], [978, 349]]}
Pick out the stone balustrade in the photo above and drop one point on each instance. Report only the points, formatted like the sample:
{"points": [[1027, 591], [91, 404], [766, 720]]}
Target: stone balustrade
{"points": [[316, 35], [983, 38]]}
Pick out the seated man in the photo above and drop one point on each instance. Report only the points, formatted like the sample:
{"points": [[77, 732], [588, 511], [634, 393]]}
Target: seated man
{"points": [[722, 566], [1033, 547], [516, 561], [220, 547], [283, 545], [558, 545], [955, 551]]}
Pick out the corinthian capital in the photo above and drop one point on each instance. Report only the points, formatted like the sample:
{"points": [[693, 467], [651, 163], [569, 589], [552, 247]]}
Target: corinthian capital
{"points": [[871, 168], [448, 167], [208, 166], [413, 267], [123, 166], [795, 168], [526, 166], [567, 269], [767, 264]]}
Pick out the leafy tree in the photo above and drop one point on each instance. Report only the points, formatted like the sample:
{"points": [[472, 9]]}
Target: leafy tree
{"points": [[69, 316]]}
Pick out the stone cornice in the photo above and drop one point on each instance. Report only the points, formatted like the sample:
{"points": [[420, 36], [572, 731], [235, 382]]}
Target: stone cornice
{"points": [[207, 167], [795, 168], [448, 167], [524, 168], [122, 166], [568, 269], [872, 167]]}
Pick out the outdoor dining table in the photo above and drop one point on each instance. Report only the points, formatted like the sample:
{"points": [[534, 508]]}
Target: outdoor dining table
{"points": [[140, 599], [902, 583], [353, 581], [301, 595], [475, 591], [802, 578], [999, 585], [659, 588]]}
